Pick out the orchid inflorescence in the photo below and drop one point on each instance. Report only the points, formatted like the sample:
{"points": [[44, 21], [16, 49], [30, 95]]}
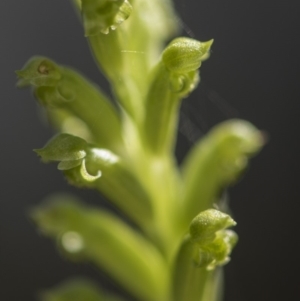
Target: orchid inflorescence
{"points": [[178, 239]]}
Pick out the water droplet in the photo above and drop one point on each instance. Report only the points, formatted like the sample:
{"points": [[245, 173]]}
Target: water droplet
{"points": [[72, 242]]}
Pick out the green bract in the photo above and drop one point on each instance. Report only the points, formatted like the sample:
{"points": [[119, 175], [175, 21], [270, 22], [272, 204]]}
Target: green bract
{"points": [[175, 243]]}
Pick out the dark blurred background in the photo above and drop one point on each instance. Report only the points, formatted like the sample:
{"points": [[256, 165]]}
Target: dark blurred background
{"points": [[253, 73]]}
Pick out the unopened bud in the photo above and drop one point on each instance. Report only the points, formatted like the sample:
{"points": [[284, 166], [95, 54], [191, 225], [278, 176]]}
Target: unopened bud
{"points": [[185, 55]]}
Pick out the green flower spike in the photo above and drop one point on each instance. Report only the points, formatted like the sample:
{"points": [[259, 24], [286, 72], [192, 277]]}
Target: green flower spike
{"points": [[174, 244]]}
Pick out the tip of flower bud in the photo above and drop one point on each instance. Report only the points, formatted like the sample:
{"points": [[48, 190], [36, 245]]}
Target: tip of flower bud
{"points": [[63, 147], [38, 71], [185, 54], [205, 225]]}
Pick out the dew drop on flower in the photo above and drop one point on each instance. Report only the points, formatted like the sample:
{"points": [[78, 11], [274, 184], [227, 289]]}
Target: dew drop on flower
{"points": [[72, 242]]}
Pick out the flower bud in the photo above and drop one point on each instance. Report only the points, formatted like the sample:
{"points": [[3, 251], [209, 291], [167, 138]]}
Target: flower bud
{"points": [[209, 232], [63, 147], [67, 94], [185, 55], [205, 225], [39, 71]]}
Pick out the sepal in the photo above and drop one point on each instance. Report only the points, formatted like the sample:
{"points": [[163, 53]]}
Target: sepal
{"points": [[66, 165], [63, 147]]}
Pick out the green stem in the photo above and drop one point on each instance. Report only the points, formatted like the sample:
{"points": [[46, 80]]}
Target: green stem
{"points": [[189, 280]]}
